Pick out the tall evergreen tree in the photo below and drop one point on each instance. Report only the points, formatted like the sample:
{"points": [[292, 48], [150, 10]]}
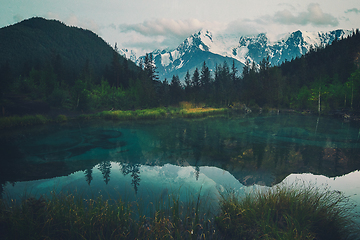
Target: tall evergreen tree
{"points": [[175, 90], [195, 83], [205, 77], [205, 80], [188, 86], [150, 68]]}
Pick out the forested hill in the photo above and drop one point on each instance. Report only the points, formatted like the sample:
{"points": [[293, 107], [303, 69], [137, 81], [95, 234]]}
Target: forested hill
{"points": [[44, 63], [37, 42]]}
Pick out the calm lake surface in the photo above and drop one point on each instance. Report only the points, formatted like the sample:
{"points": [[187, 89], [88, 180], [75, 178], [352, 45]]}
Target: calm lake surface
{"points": [[149, 160]]}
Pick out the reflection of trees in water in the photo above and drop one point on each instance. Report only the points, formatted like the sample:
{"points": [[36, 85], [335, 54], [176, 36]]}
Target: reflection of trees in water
{"points": [[88, 175], [197, 172], [259, 153], [134, 171], [104, 168]]}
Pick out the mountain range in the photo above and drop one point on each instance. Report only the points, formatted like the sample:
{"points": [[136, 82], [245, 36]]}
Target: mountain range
{"points": [[214, 49]]}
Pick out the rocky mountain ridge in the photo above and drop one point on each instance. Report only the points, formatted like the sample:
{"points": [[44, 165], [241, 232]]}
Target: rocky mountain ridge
{"points": [[214, 49]]}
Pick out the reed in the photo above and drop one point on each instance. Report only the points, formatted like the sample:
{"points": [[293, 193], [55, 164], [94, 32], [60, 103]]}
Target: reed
{"points": [[283, 212], [63, 216], [295, 212]]}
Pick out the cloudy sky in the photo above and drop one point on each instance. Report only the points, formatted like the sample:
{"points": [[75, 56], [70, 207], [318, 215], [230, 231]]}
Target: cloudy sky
{"points": [[145, 25]]}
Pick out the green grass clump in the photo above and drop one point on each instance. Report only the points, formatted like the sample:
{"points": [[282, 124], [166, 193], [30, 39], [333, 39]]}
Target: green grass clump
{"points": [[287, 213], [27, 120]]}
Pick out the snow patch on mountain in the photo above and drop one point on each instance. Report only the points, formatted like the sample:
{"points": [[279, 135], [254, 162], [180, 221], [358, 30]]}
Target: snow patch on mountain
{"points": [[216, 48], [129, 54]]}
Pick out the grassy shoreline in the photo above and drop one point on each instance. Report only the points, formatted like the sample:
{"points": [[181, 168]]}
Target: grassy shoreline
{"points": [[154, 113], [294, 212]]}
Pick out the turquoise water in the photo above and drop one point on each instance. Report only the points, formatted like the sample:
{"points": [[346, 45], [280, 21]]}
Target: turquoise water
{"points": [[150, 160]]}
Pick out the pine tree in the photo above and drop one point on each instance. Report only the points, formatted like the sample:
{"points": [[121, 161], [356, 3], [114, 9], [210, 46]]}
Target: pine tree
{"points": [[188, 86], [175, 90], [195, 83], [205, 80], [205, 77], [150, 68]]}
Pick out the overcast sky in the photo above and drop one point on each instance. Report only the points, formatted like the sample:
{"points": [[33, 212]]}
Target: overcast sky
{"points": [[144, 25]]}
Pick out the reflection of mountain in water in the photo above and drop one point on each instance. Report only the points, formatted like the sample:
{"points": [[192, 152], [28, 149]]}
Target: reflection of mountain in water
{"points": [[258, 150]]}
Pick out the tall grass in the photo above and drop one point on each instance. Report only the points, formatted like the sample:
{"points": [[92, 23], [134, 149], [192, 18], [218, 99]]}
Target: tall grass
{"points": [[62, 216], [295, 212]]}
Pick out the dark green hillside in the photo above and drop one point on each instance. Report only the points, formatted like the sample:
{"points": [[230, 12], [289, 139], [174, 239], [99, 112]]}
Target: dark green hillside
{"points": [[45, 64], [36, 42]]}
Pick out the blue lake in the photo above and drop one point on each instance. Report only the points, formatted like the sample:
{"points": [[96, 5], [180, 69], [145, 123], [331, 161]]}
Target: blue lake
{"points": [[150, 160]]}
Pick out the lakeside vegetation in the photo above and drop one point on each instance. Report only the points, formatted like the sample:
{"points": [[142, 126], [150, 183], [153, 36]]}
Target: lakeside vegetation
{"points": [[285, 212], [295, 212], [188, 111]]}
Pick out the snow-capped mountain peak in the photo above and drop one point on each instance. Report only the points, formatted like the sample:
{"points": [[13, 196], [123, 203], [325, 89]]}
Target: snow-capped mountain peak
{"points": [[129, 54], [214, 49]]}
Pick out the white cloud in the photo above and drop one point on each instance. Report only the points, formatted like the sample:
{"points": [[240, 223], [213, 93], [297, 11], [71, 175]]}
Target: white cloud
{"points": [[73, 20], [245, 27], [167, 27], [162, 33], [354, 10], [52, 15], [314, 16]]}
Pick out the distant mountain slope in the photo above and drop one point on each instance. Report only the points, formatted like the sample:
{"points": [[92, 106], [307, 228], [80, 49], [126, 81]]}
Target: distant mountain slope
{"points": [[291, 46], [215, 49], [36, 41]]}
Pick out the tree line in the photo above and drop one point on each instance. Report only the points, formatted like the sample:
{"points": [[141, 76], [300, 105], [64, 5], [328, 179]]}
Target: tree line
{"points": [[323, 79]]}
